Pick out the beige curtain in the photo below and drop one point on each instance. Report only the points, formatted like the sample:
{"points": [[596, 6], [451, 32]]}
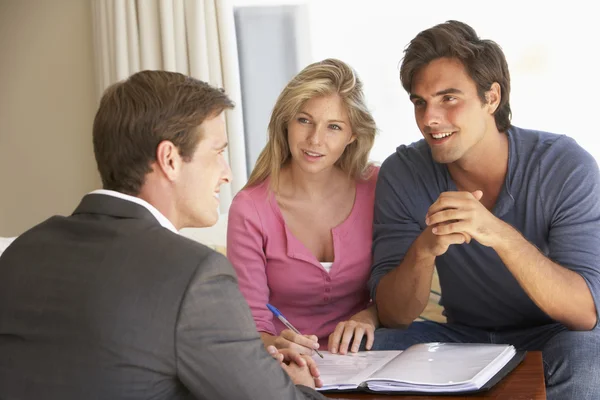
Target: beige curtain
{"points": [[193, 37]]}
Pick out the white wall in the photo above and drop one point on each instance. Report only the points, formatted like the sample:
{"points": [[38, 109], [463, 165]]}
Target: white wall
{"points": [[551, 53], [551, 50], [47, 105], [47, 98]]}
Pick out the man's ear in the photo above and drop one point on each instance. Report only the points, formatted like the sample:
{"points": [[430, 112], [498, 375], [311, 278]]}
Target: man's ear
{"points": [[493, 97], [168, 159]]}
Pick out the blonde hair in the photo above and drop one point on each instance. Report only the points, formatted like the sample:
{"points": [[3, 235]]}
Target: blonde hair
{"points": [[324, 78]]}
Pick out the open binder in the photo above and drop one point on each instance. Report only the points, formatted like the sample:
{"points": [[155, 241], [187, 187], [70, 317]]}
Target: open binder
{"points": [[440, 368]]}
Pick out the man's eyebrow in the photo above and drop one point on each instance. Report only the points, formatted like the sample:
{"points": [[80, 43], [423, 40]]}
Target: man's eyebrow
{"points": [[440, 93], [449, 91]]}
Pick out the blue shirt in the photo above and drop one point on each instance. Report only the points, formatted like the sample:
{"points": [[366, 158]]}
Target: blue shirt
{"points": [[551, 195]]}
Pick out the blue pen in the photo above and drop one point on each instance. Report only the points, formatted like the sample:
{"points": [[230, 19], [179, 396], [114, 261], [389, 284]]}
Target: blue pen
{"points": [[284, 321]]}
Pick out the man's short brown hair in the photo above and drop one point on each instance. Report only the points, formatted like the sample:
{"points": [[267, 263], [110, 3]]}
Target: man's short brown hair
{"points": [[136, 114], [483, 60]]}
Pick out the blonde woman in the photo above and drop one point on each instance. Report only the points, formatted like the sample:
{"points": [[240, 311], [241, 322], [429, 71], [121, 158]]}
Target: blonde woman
{"points": [[299, 233]]}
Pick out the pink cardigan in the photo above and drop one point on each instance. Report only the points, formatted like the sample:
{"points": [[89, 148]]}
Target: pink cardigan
{"points": [[275, 267]]}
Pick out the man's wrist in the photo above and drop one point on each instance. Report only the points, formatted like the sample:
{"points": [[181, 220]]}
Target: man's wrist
{"points": [[420, 254], [506, 238]]}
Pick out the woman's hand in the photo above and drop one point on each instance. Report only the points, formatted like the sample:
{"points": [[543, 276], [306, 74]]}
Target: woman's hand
{"points": [[288, 339], [353, 330]]}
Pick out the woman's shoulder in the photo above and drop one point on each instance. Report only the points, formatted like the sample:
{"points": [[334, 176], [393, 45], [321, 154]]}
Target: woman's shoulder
{"points": [[370, 176], [366, 185], [255, 194]]}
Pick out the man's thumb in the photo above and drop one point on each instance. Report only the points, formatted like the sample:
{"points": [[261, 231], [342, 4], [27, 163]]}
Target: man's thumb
{"points": [[478, 194]]}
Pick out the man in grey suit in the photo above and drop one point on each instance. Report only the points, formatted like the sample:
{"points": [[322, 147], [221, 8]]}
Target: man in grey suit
{"points": [[110, 302]]}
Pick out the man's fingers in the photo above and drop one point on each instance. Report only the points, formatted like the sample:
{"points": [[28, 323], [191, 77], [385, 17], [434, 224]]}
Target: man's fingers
{"points": [[445, 216], [272, 350], [450, 228], [312, 366], [453, 200], [453, 238], [298, 359]]}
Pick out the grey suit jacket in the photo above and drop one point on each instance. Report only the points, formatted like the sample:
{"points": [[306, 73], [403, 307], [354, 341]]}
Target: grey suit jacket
{"points": [[107, 304]]}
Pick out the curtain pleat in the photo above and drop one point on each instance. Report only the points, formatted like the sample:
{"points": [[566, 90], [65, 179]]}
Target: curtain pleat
{"points": [[231, 81], [149, 29], [198, 47], [133, 37], [167, 35], [121, 43], [181, 40]]}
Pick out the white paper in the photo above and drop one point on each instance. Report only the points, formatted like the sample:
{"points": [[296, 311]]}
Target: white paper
{"points": [[428, 367], [350, 370]]}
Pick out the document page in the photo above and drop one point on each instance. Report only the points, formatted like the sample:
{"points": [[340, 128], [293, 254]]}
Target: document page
{"points": [[440, 367], [350, 370]]}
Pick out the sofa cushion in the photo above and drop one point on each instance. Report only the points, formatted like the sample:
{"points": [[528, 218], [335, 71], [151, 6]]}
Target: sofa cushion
{"points": [[433, 310]]}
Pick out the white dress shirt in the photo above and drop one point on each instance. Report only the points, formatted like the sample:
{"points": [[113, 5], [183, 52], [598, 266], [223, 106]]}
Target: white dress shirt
{"points": [[157, 214]]}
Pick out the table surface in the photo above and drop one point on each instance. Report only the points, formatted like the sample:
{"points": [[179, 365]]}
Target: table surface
{"points": [[526, 382]]}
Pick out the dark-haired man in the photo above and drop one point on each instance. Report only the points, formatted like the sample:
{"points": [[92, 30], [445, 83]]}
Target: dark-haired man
{"points": [[509, 216]]}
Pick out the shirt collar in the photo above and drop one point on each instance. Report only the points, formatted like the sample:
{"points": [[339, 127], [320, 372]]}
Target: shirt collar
{"points": [[157, 214]]}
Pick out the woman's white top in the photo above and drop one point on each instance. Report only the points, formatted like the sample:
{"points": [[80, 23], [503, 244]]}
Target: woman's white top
{"points": [[327, 266]]}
